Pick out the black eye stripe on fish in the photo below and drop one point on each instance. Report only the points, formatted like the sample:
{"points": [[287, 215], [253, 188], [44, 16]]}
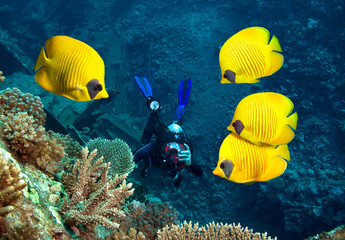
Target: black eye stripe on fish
{"points": [[228, 167], [230, 75], [238, 125]]}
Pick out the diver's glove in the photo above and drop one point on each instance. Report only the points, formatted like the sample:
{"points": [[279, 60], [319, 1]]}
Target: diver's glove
{"points": [[185, 156]]}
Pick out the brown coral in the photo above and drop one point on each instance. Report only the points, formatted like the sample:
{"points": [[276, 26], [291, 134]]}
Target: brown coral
{"points": [[95, 199], [2, 78], [11, 184], [115, 151], [214, 231], [22, 118], [29, 141], [14, 101], [146, 218]]}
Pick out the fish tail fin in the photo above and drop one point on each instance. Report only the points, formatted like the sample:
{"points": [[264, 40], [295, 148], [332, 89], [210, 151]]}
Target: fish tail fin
{"points": [[292, 120], [276, 58], [41, 60]]}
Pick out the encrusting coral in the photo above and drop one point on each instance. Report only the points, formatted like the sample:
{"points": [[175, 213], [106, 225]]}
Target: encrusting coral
{"points": [[11, 185], [95, 199], [115, 151], [214, 231]]}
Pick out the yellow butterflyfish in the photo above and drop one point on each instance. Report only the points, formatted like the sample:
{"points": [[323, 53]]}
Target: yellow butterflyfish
{"points": [[241, 161], [71, 68], [265, 118], [249, 55]]}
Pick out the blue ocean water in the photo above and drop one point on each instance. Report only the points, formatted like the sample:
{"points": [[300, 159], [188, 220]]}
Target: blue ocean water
{"points": [[170, 41]]}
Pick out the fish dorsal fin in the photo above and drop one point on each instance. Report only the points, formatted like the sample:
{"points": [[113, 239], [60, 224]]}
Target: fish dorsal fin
{"points": [[57, 44], [256, 35], [281, 104]]}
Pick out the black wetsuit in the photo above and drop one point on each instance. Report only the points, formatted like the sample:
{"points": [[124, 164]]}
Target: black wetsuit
{"points": [[152, 151]]}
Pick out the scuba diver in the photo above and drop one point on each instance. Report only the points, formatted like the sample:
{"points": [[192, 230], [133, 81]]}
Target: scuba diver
{"points": [[170, 149]]}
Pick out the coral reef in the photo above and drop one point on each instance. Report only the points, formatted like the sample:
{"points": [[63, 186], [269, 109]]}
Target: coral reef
{"points": [[211, 231], [22, 128], [95, 199], [147, 218], [2, 77], [11, 185], [132, 235], [36, 216], [336, 234], [14, 101], [214, 231], [115, 151]]}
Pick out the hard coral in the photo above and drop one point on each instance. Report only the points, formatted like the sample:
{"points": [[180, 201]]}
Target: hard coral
{"points": [[115, 151], [211, 231], [22, 120], [146, 218], [95, 199], [11, 184], [2, 78], [14, 101], [29, 141]]}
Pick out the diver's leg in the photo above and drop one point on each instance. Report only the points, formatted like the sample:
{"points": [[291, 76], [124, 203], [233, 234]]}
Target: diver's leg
{"points": [[144, 153]]}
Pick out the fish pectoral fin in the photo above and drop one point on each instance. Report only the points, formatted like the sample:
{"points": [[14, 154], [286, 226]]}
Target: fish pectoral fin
{"points": [[77, 87]]}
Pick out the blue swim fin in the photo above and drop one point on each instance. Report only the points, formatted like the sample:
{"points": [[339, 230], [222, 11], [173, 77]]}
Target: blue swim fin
{"points": [[183, 97], [147, 90]]}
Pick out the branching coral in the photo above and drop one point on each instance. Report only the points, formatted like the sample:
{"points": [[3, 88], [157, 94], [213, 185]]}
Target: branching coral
{"points": [[211, 231], [95, 199], [115, 151], [11, 184]]}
